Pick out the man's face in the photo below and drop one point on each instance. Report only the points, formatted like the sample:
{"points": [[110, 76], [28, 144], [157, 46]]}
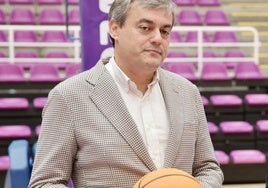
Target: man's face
{"points": [[142, 42]]}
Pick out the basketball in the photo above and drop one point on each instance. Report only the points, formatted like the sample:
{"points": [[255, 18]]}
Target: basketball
{"points": [[168, 178]]}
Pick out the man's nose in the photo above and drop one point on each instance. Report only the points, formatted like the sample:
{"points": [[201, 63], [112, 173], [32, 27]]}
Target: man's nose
{"points": [[156, 36]]}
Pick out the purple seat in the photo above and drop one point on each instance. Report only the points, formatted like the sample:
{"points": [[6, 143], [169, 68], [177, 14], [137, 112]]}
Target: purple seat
{"points": [[49, 2], [21, 1], [208, 2], [42, 72], [184, 2], [11, 73], [15, 131], [74, 17], [214, 72], [191, 36], [15, 103], [22, 16], [54, 36], [3, 37], [247, 156], [222, 157], [2, 1], [248, 71], [4, 163], [51, 16], [2, 55], [256, 99], [186, 70], [25, 36], [73, 2], [229, 100], [205, 101], [216, 17], [57, 54], [234, 127], [212, 127], [224, 36], [175, 37], [209, 54], [2, 17], [26, 54], [262, 126], [72, 70], [37, 130], [189, 17], [233, 54], [176, 54], [39, 102]]}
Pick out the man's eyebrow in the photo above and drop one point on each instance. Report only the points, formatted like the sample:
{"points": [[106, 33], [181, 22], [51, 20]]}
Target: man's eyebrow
{"points": [[143, 20]]}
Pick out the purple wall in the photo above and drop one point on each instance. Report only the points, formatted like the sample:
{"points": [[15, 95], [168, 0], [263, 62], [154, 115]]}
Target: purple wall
{"points": [[94, 31]]}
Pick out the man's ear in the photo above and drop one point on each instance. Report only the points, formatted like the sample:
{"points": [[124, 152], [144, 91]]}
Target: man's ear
{"points": [[113, 29]]}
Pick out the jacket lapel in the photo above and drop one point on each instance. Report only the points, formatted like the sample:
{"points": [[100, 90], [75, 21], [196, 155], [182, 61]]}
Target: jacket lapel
{"points": [[107, 98], [174, 107]]}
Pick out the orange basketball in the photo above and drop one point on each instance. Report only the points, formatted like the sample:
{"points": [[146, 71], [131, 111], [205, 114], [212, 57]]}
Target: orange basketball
{"points": [[168, 178]]}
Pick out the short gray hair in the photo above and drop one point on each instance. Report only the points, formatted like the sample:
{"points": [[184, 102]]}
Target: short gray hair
{"points": [[120, 8]]}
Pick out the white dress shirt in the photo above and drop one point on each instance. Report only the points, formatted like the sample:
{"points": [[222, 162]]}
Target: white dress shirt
{"points": [[148, 111]]}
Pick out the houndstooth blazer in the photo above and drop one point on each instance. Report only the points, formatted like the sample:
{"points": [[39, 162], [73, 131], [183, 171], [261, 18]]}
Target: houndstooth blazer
{"points": [[87, 134]]}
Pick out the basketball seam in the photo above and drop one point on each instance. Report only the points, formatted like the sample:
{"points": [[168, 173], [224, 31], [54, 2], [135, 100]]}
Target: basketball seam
{"points": [[165, 176]]}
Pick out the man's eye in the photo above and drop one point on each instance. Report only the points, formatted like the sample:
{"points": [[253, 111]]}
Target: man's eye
{"points": [[165, 33], [145, 28]]}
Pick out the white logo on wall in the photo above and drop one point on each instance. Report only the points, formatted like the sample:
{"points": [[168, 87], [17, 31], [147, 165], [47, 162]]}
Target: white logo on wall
{"points": [[104, 6]]}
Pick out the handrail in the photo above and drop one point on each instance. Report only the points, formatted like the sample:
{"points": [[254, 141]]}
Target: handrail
{"points": [[67, 23], [11, 44], [76, 44], [200, 44]]}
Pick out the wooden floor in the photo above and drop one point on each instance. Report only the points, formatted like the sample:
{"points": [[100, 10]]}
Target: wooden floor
{"points": [[260, 185]]}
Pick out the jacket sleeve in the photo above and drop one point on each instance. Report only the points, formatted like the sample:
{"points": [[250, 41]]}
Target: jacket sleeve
{"points": [[205, 168], [56, 147]]}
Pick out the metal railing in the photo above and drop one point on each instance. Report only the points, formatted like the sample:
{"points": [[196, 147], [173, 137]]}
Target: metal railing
{"points": [[11, 45], [201, 45]]}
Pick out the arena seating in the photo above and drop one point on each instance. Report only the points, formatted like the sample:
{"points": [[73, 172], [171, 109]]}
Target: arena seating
{"points": [[187, 70], [16, 2], [54, 36], [191, 36], [51, 16], [72, 69], [44, 73], [11, 73], [184, 2], [22, 16], [4, 166], [49, 2], [224, 36], [3, 37], [74, 16], [216, 17], [2, 17], [249, 113], [208, 2], [233, 53], [175, 37], [189, 17], [25, 36]]}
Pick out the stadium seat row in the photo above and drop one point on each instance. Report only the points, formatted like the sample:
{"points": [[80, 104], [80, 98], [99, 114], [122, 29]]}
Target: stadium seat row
{"points": [[40, 2], [197, 2], [47, 16]]}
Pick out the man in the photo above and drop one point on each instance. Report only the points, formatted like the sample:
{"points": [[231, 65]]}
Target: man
{"points": [[110, 125]]}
